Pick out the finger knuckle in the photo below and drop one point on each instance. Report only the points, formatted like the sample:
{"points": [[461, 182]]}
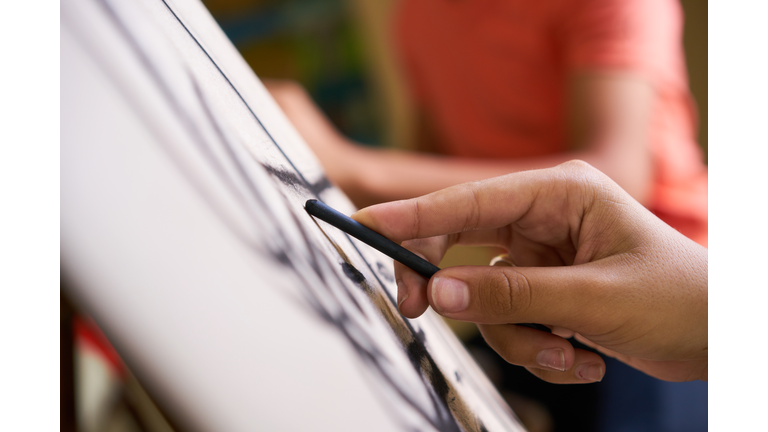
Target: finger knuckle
{"points": [[473, 218], [509, 294], [580, 172], [416, 228], [472, 210], [577, 166]]}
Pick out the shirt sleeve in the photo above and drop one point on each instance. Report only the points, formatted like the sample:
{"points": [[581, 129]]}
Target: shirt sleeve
{"points": [[642, 36]]}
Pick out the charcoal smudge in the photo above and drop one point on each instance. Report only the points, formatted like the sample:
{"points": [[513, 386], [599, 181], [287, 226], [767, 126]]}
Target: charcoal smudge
{"points": [[290, 179], [352, 273]]}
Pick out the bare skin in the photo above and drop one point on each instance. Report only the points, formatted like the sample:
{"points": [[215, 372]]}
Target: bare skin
{"points": [[593, 264], [608, 118]]}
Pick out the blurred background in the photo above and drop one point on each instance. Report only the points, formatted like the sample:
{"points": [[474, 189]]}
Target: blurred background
{"points": [[319, 43], [340, 51]]}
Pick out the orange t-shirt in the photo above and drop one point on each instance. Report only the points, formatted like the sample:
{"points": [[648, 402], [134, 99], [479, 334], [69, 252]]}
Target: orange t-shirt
{"points": [[491, 74]]}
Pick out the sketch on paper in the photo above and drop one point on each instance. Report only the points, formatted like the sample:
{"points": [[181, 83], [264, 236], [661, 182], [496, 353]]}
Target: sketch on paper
{"points": [[174, 70]]}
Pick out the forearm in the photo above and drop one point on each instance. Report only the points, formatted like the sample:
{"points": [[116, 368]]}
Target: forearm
{"points": [[382, 175]]}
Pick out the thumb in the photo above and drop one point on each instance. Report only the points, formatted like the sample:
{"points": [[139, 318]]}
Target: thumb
{"points": [[560, 296]]}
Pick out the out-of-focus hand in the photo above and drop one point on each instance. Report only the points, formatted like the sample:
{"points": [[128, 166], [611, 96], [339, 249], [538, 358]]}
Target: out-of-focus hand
{"points": [[592, 263]]}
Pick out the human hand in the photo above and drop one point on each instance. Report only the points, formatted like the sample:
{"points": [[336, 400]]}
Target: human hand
{"points": [[593, 264]]}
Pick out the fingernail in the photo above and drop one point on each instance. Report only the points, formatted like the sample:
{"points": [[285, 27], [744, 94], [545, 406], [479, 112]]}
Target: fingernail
{"points": [[553, 358], [590, 372], [449, 295], [402, 293]]}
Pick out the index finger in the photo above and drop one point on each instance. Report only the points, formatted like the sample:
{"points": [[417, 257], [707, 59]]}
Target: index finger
{"points": [[481, 205]]}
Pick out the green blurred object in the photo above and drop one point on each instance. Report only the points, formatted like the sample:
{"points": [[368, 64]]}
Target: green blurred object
{"points": [[313, 42]]}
